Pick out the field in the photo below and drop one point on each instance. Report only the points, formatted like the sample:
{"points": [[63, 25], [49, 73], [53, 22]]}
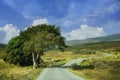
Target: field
{"points": [[102, 68], [13, 72], [58, 58]]}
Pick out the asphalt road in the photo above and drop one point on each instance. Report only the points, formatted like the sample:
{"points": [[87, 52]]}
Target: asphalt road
{"points": [[60, 73], [63, 73]]}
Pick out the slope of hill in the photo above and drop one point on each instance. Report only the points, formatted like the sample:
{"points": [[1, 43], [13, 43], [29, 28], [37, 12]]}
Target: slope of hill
{"points": [[2, 49], [97, 45], [114, 37], [2, 46]]}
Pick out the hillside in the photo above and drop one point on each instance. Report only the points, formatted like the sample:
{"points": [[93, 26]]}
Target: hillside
{"points": [[111, 46], [98, 45], [2, 51], [115, 37], [2, 46]]}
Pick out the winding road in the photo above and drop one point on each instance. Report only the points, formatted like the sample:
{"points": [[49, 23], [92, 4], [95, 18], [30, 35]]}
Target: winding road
{"points": [[60, 73]]}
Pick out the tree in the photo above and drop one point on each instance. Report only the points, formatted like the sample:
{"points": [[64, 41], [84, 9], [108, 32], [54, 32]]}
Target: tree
{"points": [[32, 43], [15, 54], [39, 43]]}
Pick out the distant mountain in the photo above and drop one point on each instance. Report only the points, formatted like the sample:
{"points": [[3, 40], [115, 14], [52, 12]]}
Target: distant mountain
{"points": [[114, 37]]}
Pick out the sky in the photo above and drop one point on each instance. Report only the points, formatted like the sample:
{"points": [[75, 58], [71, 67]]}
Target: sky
{"points": [[78, 19]]}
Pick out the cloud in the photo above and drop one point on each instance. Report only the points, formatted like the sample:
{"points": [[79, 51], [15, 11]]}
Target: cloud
{"points": [[7, 32], [40, 21], [84, 32], [94, 13]]}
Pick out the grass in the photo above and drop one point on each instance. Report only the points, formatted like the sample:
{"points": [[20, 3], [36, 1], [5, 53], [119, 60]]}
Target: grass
{"points": [[105, 68], [99, 74], [66, 55], [2, 52], [58, 58], [12, 72], [113, 46]]}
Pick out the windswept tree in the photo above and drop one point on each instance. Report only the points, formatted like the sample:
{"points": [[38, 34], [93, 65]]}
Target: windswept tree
{"points": [[33, 42], [15, 54]]}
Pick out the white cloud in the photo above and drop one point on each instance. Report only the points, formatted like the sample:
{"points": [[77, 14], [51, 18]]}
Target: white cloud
{"points": [[84, 32], [7, 32], [40, 21]]}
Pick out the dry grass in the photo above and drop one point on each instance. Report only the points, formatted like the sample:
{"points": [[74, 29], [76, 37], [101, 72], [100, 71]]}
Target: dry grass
{"points": [[98, 74], [67, 55], [12, 72], [111, 70], [2, 52]]}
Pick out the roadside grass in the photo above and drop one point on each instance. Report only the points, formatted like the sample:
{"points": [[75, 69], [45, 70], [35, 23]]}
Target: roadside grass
{"points": [[56, 58], [2, 52], [105, 68], [98, 74], [56, 55], [12, 72]]}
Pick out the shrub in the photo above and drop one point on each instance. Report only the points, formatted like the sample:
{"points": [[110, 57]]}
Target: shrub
{"points": [[85, 64]]}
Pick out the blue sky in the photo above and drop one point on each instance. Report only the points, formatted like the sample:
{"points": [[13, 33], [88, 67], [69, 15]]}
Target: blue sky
{"points": [[71, 15]]}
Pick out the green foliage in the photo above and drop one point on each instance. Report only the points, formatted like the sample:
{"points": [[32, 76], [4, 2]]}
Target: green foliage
{"points": [[35, 39], [15, 53], [57, 63], [85, 64], [31, 31]]}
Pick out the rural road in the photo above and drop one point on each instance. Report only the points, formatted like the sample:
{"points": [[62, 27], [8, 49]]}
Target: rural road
{"points": [[60, 73]]}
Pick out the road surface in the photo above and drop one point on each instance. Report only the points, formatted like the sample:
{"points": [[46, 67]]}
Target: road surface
{"points": [[60, 73], [63, 73]]}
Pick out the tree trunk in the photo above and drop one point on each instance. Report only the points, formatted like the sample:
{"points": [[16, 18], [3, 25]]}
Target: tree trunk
{"points": [[38, 58], [34, 61]]}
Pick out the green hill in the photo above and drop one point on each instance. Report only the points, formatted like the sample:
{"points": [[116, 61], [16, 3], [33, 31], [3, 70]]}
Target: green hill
{"points": [[114, 37], [2, 49], [97, 45], [2, 46]]}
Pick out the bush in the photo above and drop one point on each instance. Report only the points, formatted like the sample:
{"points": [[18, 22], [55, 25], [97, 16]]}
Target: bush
{"points": [[75, 66], [85, 64], [57, 63]]}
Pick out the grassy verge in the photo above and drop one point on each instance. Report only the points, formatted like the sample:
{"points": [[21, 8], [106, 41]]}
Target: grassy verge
{"points": [[67, 55], [2, 52], [12, 72], [106, 68], [98, 74]]}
